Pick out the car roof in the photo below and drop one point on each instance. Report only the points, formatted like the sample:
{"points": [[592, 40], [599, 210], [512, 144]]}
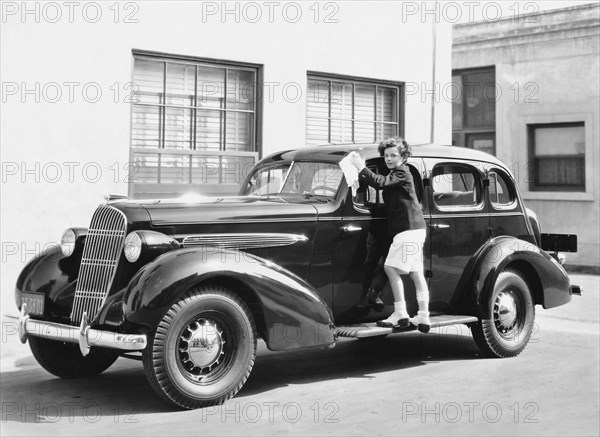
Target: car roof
{"points": [[334, 153]]}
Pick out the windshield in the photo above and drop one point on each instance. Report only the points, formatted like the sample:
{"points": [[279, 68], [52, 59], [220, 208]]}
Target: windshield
{"points": [[306, 178]]}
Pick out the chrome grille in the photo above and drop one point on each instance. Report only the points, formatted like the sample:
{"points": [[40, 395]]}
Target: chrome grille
{"points": [[101, 252]]}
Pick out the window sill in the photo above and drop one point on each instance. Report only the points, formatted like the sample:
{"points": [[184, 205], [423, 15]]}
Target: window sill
{"points": [[557, 195]]}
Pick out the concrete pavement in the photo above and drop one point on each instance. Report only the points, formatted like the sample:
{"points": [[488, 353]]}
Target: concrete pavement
{"points": [[409, 384]]}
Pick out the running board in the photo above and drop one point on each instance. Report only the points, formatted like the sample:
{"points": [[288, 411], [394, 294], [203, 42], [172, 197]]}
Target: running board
{"points": [[372, 330]]}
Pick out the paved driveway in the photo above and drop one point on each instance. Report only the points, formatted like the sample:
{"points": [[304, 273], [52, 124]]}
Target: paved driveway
{"points": [[410, 384]]}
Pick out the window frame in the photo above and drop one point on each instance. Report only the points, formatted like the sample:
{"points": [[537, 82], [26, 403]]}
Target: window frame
{"points": [[478, 186], [463, 133], [357, 81], [375, 164], [169, 189], [512, 192], [534, 186]]}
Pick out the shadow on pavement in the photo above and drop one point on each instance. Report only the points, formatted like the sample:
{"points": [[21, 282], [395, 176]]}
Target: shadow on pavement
{"points": [[30, 394], [353, 358]]}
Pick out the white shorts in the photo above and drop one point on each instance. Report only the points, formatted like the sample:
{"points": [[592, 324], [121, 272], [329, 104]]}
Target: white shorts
{"points": [[406, 251]]}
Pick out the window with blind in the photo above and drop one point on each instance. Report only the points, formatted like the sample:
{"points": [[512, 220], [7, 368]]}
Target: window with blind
{"points": [[193, 126], [474, 109], [340, 110], [557, 156]]}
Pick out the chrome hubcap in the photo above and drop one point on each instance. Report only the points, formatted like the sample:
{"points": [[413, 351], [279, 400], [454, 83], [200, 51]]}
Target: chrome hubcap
{"points": [[201, 346], [505, 312]]}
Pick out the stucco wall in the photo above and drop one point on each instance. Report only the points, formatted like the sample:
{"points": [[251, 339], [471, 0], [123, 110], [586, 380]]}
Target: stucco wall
{"points": [[64, 147], [546, 72]]}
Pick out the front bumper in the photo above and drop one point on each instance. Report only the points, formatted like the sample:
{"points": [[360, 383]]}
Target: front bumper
{"points": [[83, 335]]}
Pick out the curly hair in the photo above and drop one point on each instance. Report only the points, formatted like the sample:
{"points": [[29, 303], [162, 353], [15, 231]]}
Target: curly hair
{"points": [[403, 147]]}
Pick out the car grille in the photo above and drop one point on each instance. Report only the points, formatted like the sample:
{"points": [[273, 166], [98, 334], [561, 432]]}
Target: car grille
{"points": [[101, 252]]}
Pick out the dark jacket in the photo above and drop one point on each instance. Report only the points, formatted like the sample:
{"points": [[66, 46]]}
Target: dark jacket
{"points": [[401, 204]]}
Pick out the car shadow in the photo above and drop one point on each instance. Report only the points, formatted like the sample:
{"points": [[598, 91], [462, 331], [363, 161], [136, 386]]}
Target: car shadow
{"points": [[30, 394], [353, 358]]}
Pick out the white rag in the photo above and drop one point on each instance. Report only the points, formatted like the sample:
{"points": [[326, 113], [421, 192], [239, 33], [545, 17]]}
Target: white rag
{"points": [[350, 173]]}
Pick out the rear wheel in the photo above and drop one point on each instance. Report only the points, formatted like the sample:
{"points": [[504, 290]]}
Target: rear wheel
{"points": [[203, 350], [507, 331], [65, 359]]}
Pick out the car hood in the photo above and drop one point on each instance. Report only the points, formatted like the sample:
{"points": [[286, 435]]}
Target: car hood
{"points": [[224, 210]]}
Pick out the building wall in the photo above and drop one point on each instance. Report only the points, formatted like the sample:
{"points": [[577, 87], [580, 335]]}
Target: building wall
{"points": [[64, 147], [546, 71]]}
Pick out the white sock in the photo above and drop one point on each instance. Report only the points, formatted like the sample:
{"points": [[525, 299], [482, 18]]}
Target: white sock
{"points": [[423, 301], [400, 308]]}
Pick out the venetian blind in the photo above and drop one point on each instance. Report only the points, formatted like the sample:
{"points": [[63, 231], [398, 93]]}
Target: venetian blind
{"points": [[350, 111]]}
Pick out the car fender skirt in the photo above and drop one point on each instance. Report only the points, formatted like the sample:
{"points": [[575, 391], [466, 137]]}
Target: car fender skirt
{"points": [[549, 283], [294, 314]]}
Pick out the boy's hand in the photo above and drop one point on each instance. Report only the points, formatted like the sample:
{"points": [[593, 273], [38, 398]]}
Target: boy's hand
{"points": [[357, 161]]}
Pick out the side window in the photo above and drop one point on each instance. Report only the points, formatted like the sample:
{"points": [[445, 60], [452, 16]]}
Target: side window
{"points": [[501, 195], [455, 187], [372, 198]]}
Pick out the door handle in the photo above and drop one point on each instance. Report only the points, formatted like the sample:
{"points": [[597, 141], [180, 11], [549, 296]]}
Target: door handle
{"points": [[439, 226], [351, 228]]}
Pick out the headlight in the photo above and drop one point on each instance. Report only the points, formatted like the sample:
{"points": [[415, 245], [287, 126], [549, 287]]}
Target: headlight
{"points": [[67, 242], [133, 247]]}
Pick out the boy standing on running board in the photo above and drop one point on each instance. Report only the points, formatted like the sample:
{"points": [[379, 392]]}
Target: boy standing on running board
{"points": [[407, 227]]}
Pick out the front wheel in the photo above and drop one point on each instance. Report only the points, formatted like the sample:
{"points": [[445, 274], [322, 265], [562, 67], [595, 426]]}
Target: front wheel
{"points": [[507, 332], [203, 350]]}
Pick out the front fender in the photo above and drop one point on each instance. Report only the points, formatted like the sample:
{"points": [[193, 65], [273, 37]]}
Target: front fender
{"points": [[54, 275], [549, 282], [294, 313]]}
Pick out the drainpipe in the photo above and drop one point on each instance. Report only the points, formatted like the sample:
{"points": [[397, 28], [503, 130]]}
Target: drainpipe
{"points": [[431, 136]]}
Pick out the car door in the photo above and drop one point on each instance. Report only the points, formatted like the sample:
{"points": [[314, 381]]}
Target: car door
{"points": [[361, 246], [459, 225]]}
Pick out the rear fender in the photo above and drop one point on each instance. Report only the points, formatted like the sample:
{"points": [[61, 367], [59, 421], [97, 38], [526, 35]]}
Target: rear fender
{"points": [[294, 313], [549, 281]]}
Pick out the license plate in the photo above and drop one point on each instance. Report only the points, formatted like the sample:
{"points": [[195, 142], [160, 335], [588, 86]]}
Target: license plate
{"points": [[34, 302], [559, 242]]}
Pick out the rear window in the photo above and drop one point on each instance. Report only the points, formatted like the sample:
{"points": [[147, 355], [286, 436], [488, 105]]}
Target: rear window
{"points": [[456, 187], [501, 195]]}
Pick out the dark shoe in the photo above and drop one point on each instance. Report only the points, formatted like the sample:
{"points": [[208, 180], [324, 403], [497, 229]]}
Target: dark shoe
{"points": [[421, 320], [375, 301], [424, 328]]}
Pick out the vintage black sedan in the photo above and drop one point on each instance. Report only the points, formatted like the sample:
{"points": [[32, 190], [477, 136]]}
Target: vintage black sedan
{"points": [[189, 287]]}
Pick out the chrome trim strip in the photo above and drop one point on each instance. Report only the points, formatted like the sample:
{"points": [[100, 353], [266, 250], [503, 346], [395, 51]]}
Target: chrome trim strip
{"points": [[83, 335], [242, 240], [362, 218], [505, 214], [311, 218], [330, 219], [440, 216], [498, 214]]}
